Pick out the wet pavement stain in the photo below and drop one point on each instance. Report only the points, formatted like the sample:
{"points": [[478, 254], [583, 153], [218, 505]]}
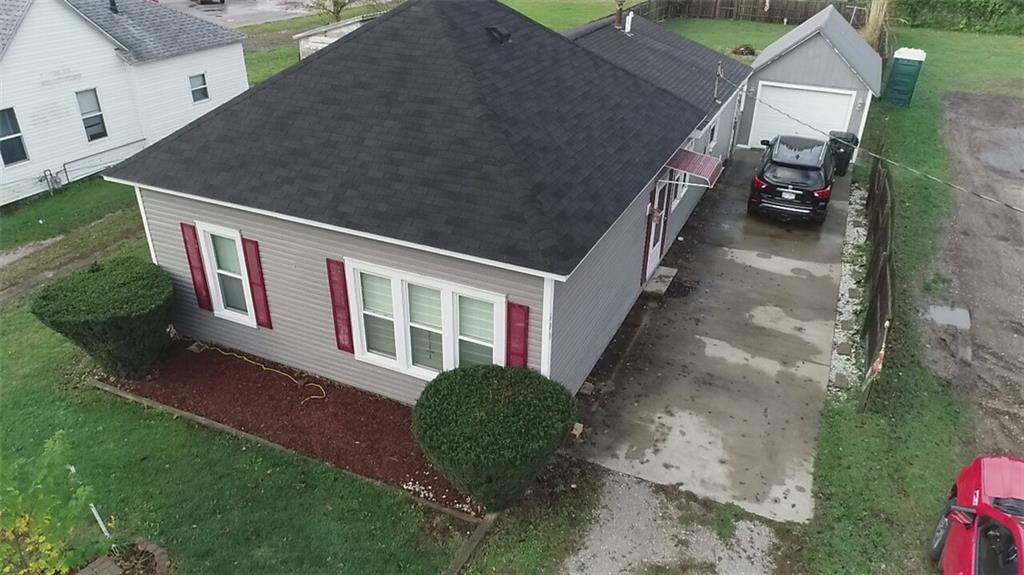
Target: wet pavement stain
{"points": [[722, 391]]}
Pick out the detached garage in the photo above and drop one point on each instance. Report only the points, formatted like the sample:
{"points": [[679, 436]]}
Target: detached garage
{"points": [[820, 76]]}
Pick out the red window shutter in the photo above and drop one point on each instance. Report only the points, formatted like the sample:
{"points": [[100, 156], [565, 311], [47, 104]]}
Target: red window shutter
{"points": [[517, 320], [339, 305], [251, 249], [195, 266]]}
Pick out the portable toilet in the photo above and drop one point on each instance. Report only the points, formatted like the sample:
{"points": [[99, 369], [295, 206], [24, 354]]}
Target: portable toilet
{"points": [[906, 68]]}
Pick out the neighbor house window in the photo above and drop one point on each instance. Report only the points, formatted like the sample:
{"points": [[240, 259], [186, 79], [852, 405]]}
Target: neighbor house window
{"points": [[12, 145], [92, 116], [423, 326], [225, 263], [198, 85]]}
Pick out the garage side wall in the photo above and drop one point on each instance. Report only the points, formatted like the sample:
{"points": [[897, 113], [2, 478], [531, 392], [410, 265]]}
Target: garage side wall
{"points": [[813, 63], [293, 257]]}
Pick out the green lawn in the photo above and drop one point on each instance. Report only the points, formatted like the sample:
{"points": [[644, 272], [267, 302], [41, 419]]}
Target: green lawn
{"points": [[261, 66], [77, 204], [880, 475], [724, 35], [218, 504], [562, 15], [539, 532]]}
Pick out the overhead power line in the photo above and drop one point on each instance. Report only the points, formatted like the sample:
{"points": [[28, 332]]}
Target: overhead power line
{"points": [[890, 161]]}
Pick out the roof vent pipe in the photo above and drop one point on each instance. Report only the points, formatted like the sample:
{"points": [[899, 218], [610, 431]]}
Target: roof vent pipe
{"points": [[113, 6], [618, 14], [629, 22]]}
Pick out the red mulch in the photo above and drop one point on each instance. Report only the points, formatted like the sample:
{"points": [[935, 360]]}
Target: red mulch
{"points": [[358, 431]]}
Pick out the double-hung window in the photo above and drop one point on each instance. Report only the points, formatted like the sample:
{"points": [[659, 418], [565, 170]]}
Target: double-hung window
{"points": [[225, 266], [12, 145], [92, 115], [421, 325], [197, 84]]}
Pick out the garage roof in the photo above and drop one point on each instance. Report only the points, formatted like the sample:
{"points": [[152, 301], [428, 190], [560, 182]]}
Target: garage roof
{"points": [[861, 57], [460, 125]]}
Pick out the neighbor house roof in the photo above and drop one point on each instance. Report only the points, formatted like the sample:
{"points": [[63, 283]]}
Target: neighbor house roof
{"points": [[143, 30], [664, 58], [428, 126], [862, 58], [11, 13]]}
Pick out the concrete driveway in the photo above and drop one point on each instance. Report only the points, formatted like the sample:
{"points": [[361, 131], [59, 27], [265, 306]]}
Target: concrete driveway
{"points": [[719, 384]]}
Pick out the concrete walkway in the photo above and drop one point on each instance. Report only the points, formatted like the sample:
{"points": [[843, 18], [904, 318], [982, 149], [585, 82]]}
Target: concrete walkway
{"points": [[723, 386]]}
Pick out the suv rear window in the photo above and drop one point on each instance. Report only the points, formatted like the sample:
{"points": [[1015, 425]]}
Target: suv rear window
{"points": [[781, 174]]}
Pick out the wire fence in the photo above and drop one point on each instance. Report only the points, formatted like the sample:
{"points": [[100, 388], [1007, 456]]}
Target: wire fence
{"points": [[778, 11]]}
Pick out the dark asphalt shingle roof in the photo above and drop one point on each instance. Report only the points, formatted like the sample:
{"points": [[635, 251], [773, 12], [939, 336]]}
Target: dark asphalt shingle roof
{"points": [[150, 31], [11, 13], [664, 58], [420, 126]]}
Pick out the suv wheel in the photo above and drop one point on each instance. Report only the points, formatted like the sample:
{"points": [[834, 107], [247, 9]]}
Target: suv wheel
{"points": [[938, 540]]}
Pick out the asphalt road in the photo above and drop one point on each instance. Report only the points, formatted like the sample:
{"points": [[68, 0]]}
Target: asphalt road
{"points": [[237, 13]]}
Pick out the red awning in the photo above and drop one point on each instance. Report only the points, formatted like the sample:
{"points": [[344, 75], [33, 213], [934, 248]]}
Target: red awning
{"points": [[708, 168]]}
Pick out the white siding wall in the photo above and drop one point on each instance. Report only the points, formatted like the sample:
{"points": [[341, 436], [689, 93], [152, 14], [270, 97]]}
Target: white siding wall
{"points": [[56, 53], [164, 96], [294, 258]]}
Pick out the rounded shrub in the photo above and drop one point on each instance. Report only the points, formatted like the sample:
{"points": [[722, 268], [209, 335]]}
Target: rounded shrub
{"points": [[117, 311], [490, 429]]}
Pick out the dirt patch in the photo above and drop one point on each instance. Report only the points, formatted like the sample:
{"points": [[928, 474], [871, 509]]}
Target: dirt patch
{"points": [[979, 268], [358, 431]]}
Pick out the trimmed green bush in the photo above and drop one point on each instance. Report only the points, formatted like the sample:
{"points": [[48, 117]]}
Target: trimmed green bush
{"points": [[117, 311], [490, 429]]}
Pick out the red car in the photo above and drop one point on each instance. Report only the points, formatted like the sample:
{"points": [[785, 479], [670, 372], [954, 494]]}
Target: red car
{"points": [[981, 530]]}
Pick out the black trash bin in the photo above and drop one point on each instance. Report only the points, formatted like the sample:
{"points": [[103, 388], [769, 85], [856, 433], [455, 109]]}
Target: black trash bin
{"points": [[843, 144]]}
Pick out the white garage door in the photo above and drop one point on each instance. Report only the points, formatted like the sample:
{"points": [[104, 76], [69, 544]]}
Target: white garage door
{"points": [[825, 110]]}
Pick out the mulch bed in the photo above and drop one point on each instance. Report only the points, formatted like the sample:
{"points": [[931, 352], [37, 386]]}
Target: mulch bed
{"points": [[358, 431]]}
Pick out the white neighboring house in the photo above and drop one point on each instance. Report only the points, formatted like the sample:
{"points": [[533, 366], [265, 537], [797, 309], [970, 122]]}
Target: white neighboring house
{"points": [[87, 83]]}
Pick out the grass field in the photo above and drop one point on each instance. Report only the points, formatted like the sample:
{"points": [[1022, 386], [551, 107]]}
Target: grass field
{"points": [[724, 35], [79, 203], [219, 505], [881, 475], [562, 15]]}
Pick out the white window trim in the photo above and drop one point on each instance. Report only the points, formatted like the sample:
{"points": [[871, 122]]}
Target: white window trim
{"points": [[400, 314], [684, 181], [98, 112], [210, 265], [192, 91], [713, 130], [21, 135]]}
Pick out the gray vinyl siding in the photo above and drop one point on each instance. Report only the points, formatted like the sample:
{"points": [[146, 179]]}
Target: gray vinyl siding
{"points": [[593, 302], [294, 267], [726, 121], [814, 63]]}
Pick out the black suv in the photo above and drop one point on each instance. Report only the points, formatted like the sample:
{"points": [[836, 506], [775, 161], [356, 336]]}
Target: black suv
{"points": [[794, 179]]}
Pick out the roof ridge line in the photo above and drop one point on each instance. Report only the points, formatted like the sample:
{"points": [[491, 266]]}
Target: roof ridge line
{"points": [[269, 82]]}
